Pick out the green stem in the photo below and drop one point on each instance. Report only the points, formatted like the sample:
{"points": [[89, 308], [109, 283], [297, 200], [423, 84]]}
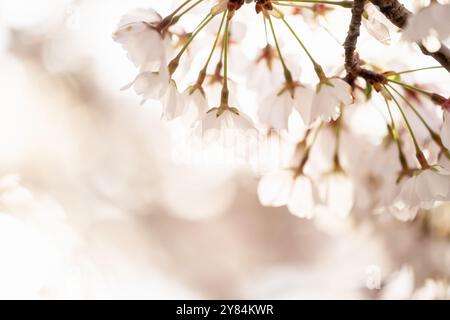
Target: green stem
{"points": [[305, 158], [287, 72], [215, 42], [173, 65], [344, 4], [412, 88], [396, 136], [337, 161], [415, 70], [187, 10], [419, 153], [434, 135], [179, 8], [317, 67], [225, 92]]}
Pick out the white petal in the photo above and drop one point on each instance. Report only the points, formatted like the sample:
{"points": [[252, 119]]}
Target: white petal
{"points": [[276, 110], [338, 194], [274, 189], [445, 133], [302, 201], [173, 103], [377, 24], [303, 103], [342, 91]]}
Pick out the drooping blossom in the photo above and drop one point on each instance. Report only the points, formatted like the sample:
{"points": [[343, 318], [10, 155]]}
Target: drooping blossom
{"points": [[159, 86], [285, 188], [276, 109], [424, 189], [331, 95], [337, 193], [445, 132], [430, 26], [376, 24], [138, 32]]}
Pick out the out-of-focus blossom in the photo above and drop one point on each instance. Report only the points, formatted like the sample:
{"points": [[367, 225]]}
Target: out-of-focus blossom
{"points": [[141, 35], [158, 85], [445, 133], [276, 109], [331, 95], [377, 24], [225, 123], [284, 188], [337, 193], [430, 26], [424, 189]]}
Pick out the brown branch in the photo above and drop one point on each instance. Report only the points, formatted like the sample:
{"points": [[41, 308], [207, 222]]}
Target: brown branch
{"points": [[352, 62], [399, 15]]}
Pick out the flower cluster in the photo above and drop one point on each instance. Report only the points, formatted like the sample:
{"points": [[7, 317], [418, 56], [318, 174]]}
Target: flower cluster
{"points": [[405, 171]]}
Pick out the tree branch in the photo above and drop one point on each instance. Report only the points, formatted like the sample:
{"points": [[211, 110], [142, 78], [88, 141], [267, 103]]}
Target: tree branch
{"points": [[352, 62], [399, 15]]}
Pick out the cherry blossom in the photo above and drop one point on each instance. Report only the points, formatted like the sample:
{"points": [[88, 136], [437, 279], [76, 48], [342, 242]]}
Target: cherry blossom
{"points": [[331, 95], [424, 189], [377, 24], [284, 188], [429, 25], [225, 123], [276, 109], [337, 193], [139, 34], [445, 133], [158, 86]]}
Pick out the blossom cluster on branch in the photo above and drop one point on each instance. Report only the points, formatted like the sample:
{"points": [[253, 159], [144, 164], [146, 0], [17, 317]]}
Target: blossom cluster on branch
{"points": [[407, 171]]}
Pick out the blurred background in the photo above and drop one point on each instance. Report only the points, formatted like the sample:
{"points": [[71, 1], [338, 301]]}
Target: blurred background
{"points": [[93, 204]]}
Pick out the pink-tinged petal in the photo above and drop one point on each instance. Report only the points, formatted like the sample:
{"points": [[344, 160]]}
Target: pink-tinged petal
{"points": [[302, 201], [338, 194], [445, 132], [275, 189], [377, 25], [342, 91], [304, 97], [173, 103]]}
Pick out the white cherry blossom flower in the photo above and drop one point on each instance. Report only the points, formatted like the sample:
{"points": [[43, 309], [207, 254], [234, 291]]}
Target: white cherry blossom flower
{"points": [[139, 35], [159, 86], [430, 26], [330, 96], [284, 188], [225, 125], [276, 109], [196, 105], [424, 189], [445, 132], [337, 193], [377, 25]]}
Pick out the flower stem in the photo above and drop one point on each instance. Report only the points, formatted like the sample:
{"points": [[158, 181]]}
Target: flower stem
{"points": [[215, 42], [305, 158], [434, 135], [179, 8], [336, 158], [396, 137], [317, 67], [173, 65], [415, 70], [287, 72], [412, 88], [344, 4], [187, 10], [226, 40], [419, 154]]}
